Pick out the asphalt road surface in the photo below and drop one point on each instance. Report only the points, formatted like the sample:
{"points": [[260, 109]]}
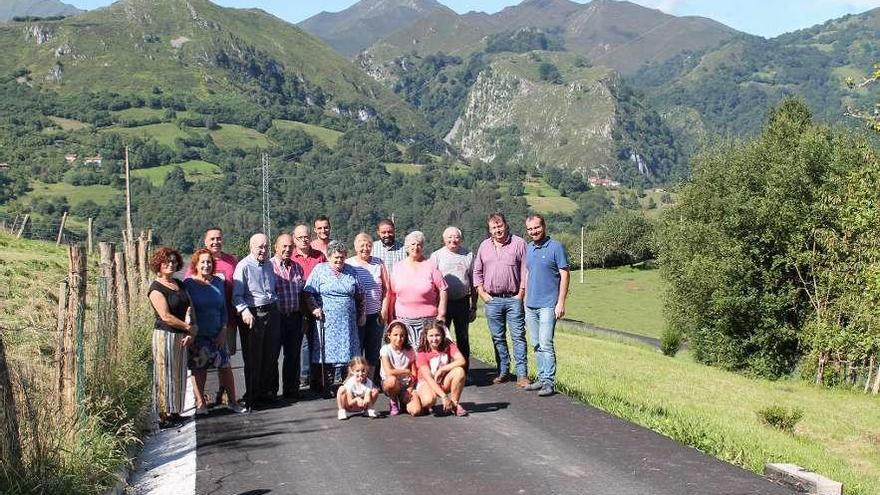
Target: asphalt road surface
{"points": [[513, 442]]}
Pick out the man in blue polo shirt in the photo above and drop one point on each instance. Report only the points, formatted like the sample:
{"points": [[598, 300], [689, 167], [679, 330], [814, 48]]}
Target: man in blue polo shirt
{"points": [[546, 289]]}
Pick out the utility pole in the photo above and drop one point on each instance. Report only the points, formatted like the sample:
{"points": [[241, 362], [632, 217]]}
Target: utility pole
{"points": [[582, 254], [128, 229], [265, 169]]}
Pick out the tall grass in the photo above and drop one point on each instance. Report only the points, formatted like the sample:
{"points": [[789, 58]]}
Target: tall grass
{"points": [[82, 456], [58, 454]]}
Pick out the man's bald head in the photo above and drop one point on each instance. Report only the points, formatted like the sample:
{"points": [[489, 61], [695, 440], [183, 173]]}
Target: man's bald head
{"points": [[284, 246], [259, 246]]}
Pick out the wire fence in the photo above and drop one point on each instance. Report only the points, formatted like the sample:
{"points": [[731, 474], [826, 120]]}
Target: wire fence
{"points": [[43, 401]]}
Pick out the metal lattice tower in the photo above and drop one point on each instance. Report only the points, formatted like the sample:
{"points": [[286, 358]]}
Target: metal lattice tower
{"points": [[265, 170]]}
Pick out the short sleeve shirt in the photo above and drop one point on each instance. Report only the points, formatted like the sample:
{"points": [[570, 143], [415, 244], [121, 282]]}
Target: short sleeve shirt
{"points": [[457, 269], [435, 359], [416, 289], [402, 359], [544, 261]]}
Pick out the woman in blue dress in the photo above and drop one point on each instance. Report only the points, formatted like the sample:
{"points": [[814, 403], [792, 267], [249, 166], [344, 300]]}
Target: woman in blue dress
{"points": [[337, 302]]}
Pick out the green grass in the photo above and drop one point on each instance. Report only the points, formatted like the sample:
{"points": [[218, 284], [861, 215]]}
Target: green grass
{"points": [[230, 136], [716, 411], [327, 136], [115, 398], [164, 133], [101, 195], [544, 199], [623, 298], [142, 113], [68, 124], [404, 168], [195, 171]]}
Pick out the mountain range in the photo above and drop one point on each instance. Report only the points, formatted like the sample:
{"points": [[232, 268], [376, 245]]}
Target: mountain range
{"points": [[199, 49], [35, 8]]}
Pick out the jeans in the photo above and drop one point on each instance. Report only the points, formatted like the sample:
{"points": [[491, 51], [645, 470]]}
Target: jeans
{"points": [[458, 314], [541, 323], [502, 312], [371, 335], [258, 345], [291, 344]]}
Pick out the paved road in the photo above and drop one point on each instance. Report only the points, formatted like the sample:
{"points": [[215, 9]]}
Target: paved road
{"points": [[513, 442]]}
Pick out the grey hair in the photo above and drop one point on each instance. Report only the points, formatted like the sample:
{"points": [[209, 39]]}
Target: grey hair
{"points": [[453, 228], [336, 247], [415, 235]]}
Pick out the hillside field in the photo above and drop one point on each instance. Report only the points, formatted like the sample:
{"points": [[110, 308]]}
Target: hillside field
{"points": [[194, 170], [716, 411], [624, 298]]}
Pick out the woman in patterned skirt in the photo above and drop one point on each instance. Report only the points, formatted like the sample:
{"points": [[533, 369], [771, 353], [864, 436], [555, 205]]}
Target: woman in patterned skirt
{"points": [[171, 336], [336, 299]]}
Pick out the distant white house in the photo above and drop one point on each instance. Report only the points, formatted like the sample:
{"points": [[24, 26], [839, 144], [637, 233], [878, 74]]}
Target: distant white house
{"points": [[96, 160], [4, 167], [604, 182], [70, 157]]}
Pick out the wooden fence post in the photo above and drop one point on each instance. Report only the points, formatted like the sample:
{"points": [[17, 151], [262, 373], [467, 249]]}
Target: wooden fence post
{"points": [[143, 262], [108, 319], [121, 296], [61, 228], [23, 223], [10, 448], [91, 245], [131, 269], [76, 278]]}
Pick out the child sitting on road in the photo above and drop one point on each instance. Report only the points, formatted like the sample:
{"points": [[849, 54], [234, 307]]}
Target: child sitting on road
{"points": [[357, 394], [441, 373], [398, 366]]}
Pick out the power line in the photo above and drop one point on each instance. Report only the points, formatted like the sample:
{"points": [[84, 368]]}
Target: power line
{"points": [[265, 170]]}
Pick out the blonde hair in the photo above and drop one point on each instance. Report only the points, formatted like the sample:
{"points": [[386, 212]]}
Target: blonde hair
{"points": [[355, 362]]}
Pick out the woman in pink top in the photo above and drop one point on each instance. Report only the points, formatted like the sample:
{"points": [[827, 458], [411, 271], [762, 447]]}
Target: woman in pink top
{"points": [[418, 291]]}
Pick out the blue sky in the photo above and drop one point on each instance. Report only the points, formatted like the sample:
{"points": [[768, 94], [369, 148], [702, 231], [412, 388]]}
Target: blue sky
{"points": [[762, 17]]}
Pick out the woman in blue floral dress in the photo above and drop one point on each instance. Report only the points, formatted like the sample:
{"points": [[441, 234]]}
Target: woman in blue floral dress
{"points": [[337, 301]]}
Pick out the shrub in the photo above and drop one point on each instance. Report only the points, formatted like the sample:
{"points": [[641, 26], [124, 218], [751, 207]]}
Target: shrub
{"points": [[781, 417], [670, 342]]}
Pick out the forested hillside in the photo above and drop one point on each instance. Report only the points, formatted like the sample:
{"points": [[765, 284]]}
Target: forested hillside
{"points": [[728, 89]]}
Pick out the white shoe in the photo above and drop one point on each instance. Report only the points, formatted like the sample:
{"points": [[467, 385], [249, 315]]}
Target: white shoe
{"points": [[234, 407], [342, 414], [201, 411], [371, 413]]}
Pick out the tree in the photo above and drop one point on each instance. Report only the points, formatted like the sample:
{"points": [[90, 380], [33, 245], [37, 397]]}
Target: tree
{"points": [[750, 240], [550, 73], [619, 238]]}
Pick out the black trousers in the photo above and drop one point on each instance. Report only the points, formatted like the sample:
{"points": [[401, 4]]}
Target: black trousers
{"points": [[458, 314], [291, 344], [259, 345]]}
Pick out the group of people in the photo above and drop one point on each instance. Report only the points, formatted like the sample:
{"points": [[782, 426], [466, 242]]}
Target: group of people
{"points": [[341, 324]]}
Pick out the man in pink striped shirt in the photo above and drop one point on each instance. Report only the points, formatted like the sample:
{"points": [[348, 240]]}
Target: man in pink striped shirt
{"points": [[499, 277]]}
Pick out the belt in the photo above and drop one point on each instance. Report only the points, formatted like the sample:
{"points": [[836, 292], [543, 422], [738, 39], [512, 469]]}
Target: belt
{"points": [[503, 294], [265, 307]]}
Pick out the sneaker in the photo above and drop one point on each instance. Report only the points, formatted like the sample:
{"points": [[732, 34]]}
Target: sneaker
{"points": [[523, 381], [237, 409], [535, 385], [342, 414], [202, 411], [371, 413], [546, 390], [395, 408], [460, 411]]}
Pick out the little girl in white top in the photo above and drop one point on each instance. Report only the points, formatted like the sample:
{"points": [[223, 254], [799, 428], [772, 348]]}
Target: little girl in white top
{"points": [[398, 370], [357, 394]]}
